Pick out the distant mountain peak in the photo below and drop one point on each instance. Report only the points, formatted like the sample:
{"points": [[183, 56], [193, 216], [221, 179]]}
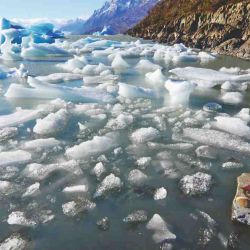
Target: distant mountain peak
{"points": [[119, 15]]}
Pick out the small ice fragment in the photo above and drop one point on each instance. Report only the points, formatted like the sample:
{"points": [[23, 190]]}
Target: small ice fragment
{"points": [[143, 162], [119, 63], [137, 216], [232, 97], [76, 189], [197, 184], [160, 194], [206, 152], [103, 224], [156, 78], [131, 91], [143, 135], [146, 66], [73, 208], [98, 170], [32, 190], [110, 183], [160, 228]]}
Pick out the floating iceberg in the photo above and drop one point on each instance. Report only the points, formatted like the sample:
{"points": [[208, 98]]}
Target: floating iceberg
{"points": [[147, 66], [179, 91], [41, 90], [156, 78], [207, 78]]}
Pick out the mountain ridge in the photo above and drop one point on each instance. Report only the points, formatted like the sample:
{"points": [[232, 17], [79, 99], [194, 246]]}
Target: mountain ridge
{"points": [[221, 26]]}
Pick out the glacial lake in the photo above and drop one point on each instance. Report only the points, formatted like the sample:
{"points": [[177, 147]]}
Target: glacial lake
{"points": [[183, 213]]}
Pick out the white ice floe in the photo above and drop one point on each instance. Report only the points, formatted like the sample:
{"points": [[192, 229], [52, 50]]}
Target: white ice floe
{"points": [[41, 51], [96, 146], [207, 78], [14, 242], [76, 189], [143, 135], [59, 77], [19, 117], [73, 208], [217, 139], [197, 184], [41, 144], [160, 228], [41, 171], [244, 115], [131, 91], [160, 193], [14, 158], [52, 124], [232, 97], [119, 63], [73, 64], [98, 170], [110, 183], [143, 162], [19, 218], [137, 216], [145, 65], [156, 78], [179, 91], [122, 121], [94, 80], [32, 190], [232, 125]]}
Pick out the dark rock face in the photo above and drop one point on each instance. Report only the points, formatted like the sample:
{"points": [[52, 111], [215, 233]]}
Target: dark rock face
{"points": [[119, 15], [221, 26]]}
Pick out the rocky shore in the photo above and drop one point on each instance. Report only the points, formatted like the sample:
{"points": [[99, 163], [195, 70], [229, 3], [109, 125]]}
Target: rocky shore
{"points": [[219, 26]]}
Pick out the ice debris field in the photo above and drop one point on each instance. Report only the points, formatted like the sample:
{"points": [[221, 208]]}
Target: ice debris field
{"points": [[140, 140]]}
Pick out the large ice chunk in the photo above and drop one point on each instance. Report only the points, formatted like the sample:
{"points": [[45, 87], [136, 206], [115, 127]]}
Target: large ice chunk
{"points": [[53, 123], [156, 78], [147, 66], [14, 158], [232, 125], [98, 145], [217, 139], [179, 91]]}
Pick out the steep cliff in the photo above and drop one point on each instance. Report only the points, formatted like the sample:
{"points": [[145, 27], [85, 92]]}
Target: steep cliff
{"points": [[218, 25]]}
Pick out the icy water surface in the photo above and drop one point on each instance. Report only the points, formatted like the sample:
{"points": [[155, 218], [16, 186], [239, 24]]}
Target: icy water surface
{"points": [[106, 149]]}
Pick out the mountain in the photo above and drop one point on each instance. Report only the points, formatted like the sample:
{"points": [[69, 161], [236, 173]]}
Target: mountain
{"points": [[218, 25], [119, 15]]}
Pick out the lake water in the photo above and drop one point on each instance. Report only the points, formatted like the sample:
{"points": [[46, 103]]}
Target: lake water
{"points": [[166, 168]]}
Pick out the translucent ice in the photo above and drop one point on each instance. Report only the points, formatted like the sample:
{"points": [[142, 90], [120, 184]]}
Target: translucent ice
{"points": [[14, 158], [156, 78], [110, 183], [131, 91], [179, 91], [160, 228], [146, 66], [119, 63], [59, 77], [52, 124], [96, 146], [143, 135]]}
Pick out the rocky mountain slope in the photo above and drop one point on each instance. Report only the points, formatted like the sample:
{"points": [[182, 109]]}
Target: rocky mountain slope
{"points": [[218, 25], [119, 15]]}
